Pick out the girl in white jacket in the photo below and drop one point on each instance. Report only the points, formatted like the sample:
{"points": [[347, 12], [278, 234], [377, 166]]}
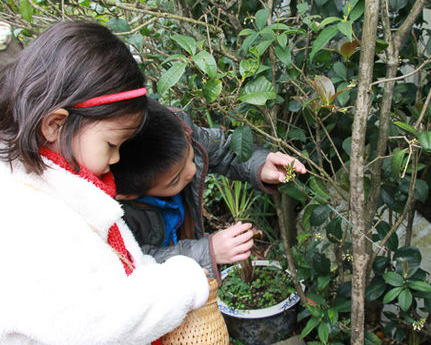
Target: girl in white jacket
{"points": [[71, 271]]}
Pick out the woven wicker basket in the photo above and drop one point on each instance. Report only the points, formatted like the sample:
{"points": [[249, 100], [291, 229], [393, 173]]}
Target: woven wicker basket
{"points": [[203, 326]]}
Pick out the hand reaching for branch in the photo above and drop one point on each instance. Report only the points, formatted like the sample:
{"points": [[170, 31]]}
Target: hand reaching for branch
{"points": [[274, 171], [234, 243]]}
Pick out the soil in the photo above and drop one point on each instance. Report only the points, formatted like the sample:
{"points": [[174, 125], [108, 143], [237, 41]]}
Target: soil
{"points": [[267, 288]]}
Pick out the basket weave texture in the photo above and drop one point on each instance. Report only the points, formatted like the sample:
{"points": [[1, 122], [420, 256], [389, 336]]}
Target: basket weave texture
{"points": [[202, 326]]}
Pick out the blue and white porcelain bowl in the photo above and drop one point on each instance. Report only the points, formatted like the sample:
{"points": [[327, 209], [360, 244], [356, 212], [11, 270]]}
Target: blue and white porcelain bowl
{"points": [[260, 326]]}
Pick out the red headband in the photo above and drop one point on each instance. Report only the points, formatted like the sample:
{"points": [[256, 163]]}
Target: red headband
{"points": [[116, 97]]}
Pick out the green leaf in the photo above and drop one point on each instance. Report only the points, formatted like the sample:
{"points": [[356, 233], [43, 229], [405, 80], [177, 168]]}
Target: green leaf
{"points": [[357, 11], [393, 279], [350, 4], [397, 162], [343, 93], [307, 214], [320, 3], [246, 32], [293, 191], [408, 255], [26, 10], [340, 69], [323, 332], [249, 41], [382, 230], [421, 190], [322, 282], [315, 311], [320, 215], [346, 29], [212, 90], [294, 107], [321, 264], [257, 92], [186, 42], [136, 40], [297, 134], [318, 188], [261, 18], [396, 5], [328, 20], [392, 294], [267, 34], [333, 316], [375, 290], [171, 77], [206, 63], [242, 143], [407, 127], [118, 25], [174, 57], [287, 30], [342, 305], [311, 324], [263, 46], [334, 232], [425, 140], [248, 67], [324, 37], [284, 55], [282, 40], [371, 339], [380, 264], [405, 299], [419, 286]]}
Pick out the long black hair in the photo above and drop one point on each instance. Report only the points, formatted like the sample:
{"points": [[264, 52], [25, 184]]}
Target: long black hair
{"points": [[67, 64]]}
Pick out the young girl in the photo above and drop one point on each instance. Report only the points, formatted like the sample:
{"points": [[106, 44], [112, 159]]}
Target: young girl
{"points": [[71, 270]]}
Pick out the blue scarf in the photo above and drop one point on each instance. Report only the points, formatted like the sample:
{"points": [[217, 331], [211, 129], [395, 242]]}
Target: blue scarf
{"points": [[172, 213]]}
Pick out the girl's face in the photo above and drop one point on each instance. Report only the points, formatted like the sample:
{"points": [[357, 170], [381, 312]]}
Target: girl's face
{"points": [[97, 145], [175, 179]]}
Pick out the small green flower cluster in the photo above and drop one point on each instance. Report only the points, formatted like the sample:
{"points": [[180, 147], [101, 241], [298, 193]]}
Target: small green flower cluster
{"points": [[290, 172]]}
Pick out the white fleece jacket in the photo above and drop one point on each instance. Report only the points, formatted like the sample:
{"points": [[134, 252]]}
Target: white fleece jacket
{"points": [[62, 284]]}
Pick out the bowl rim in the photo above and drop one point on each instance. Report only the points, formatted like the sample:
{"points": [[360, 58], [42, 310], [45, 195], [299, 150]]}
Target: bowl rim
{"points": [[278, 308]]}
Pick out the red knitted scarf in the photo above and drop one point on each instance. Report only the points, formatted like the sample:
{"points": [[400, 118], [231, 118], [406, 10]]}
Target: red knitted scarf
{"points": [[107, 184]]}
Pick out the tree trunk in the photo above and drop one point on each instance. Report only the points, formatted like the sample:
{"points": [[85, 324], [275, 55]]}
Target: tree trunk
{"points": [[357, 198]]}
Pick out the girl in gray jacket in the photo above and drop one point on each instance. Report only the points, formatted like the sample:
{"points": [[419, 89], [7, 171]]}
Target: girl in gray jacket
{"points": [[160, 180]]}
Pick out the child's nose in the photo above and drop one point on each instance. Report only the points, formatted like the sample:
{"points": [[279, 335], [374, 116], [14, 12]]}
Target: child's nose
{"points": [[115, 157]]}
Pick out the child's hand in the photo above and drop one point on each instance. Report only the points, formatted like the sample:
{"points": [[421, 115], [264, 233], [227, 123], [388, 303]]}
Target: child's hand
{"points": [[234, 243], [274, 171]]}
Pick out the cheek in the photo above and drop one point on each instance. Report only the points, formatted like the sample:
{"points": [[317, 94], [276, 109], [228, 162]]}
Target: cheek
{"points": [[192, 171]]}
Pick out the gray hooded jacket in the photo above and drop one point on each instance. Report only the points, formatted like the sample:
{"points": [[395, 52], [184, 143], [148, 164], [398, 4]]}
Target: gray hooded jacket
{"points": [[212, 155]]}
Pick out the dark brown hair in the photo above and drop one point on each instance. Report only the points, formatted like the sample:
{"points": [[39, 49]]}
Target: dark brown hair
{"points": [[68, 63], [162, 143]]}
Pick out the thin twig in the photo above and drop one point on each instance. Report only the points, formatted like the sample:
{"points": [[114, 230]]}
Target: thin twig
{"points": [[404, 76], [423, 111]]}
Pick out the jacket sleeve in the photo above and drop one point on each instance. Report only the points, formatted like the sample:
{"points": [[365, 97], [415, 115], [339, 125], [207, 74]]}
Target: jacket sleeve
{"points": [[148, 229], [199, 250], [222, 160]]}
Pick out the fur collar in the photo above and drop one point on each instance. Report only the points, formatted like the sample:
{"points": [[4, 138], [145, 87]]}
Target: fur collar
{"points": [[98, 209]]}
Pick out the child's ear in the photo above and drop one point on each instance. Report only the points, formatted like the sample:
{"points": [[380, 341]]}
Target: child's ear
{"points": [[52, 123]]}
